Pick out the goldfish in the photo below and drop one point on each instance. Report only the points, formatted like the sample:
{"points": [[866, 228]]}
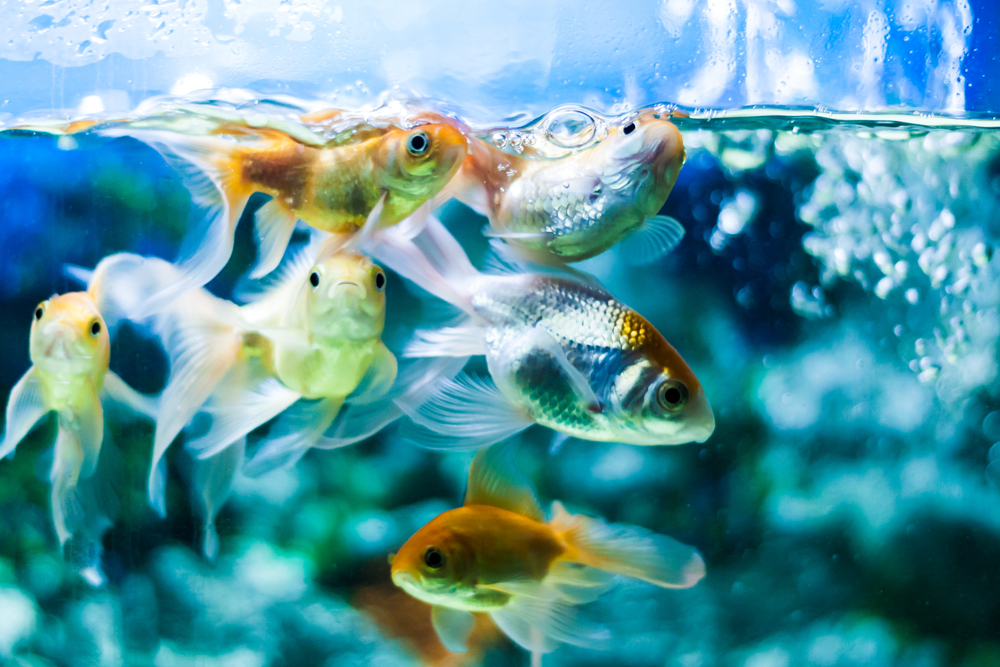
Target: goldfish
{"points": [[309, 343], [333, 188], [497, 554], [575, 206], [561, 351], [70, 349]]}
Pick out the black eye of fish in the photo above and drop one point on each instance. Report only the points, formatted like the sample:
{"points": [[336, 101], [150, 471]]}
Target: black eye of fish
{"points": [[672, 395], [38, 313], [95, 328], [418, 143], [434, 558], [629, 129], [380, 281], [314, 279]]}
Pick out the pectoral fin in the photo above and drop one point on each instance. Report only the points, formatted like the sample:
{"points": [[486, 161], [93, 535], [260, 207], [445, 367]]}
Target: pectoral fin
{"points": [[654, 239], [298, 429], [275, 223], [379, 377], [234, 416], [453, 627], [24, 408], [88, 424]]}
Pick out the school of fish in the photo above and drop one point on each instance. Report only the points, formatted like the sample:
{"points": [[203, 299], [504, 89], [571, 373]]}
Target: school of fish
{"points": [[300, 349]]}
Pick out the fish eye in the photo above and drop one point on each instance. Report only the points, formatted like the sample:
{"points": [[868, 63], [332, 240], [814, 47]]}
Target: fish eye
{"points": [[418, 143], [380, 281], [39, 312], [672, 395], [95, 329], [629, 129], [434, 558], [314, 278]]}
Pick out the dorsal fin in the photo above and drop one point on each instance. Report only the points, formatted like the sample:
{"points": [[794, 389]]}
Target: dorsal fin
{"points": [[493, 480]]}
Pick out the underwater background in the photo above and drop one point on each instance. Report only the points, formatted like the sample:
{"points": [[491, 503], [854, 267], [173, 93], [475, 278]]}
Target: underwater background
{"points": [[836, 292]]}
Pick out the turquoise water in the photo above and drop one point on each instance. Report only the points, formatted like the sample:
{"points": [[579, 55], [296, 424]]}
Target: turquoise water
{"points": [[836, 294]]}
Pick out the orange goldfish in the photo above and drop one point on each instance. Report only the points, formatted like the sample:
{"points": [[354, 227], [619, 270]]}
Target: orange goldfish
{"points": [[334, 188], [498, 555]]}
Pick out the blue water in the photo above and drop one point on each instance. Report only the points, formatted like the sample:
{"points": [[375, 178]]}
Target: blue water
{"points": [[844, 505]]}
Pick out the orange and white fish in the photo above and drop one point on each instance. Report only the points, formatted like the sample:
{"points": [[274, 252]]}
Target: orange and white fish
{"points": [[497, 554], [330, 188], [70, 351], [577, 205]]}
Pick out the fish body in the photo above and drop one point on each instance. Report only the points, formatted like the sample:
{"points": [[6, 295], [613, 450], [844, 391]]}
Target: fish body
{"points": [[499, 555], [561, 351], [306, 344], [573, 207], [383, 178]]}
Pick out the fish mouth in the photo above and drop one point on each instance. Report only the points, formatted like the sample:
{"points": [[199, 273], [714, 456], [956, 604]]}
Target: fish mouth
{"points": [[348, 285], [60, 340]]}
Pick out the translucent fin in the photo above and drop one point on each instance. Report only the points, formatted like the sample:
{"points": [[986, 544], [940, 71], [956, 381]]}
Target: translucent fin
{"points": [[87, 421], [123, 284], [364, 239], [206, 168], [503, 234], [630, 551], [294, 268], [24, 408], [120, 392], [433, 260], [460, 414], [542, 623], [235, 416], [654, 239], [379, 378], [201, 355], [64, 475], [453, 627], [211, 483], [359, 422], [509, 260], [493, 480], [298, 429], [578, 583], [539, 336], [463, 341], [78, 273], [275, 223], [94, 505]]}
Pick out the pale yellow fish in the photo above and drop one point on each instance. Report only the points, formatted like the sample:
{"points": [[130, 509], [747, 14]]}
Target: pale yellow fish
{"points": [[308, 343], [69, 350]]}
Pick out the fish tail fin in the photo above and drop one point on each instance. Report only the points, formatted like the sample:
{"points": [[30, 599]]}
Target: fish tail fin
{"points": [[630, 551], [433, 260], [203, 345], [211, 171], [211, 482]]}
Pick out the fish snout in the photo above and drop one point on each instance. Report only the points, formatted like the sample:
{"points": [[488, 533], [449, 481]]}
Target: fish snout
{"points": [[59, 336], [345, 287], [701, 419]]}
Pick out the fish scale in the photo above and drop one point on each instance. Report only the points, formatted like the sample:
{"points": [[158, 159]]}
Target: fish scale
{"points": [[587, 324]]}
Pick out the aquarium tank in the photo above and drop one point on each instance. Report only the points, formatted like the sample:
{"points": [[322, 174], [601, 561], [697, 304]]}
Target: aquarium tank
{"points": [[529, 333]]}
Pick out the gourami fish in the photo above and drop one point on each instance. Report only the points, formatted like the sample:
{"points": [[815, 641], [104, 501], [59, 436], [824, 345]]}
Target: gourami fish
{"points": [[331, 188], [570, 208], [561, 351], [70, 351], [498, 555], [308, 344]]}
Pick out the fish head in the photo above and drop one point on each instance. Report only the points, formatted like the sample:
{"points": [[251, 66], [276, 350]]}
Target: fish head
{"points": [[641, 159], [417, 163], [345, 297], [658, 400], [432, 564], [69, 336]]}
